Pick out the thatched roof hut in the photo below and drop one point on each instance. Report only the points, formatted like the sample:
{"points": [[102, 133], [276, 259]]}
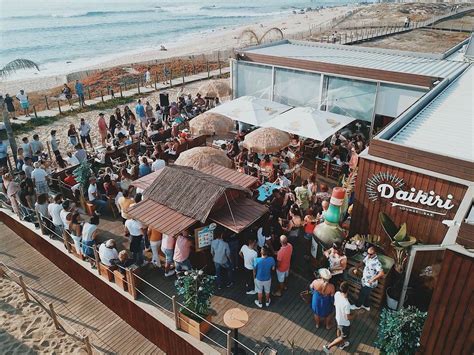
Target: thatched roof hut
{"points": [[189, 191]]}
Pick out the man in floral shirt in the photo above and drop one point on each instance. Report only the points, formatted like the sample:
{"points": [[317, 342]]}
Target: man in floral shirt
{"points": [[372, 273]]}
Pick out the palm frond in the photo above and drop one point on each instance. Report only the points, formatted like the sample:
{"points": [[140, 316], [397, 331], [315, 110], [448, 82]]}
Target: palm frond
{"points": [[17, 64]]}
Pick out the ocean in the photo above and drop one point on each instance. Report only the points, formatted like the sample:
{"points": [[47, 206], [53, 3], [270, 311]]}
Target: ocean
{"points": [[65, 35]]}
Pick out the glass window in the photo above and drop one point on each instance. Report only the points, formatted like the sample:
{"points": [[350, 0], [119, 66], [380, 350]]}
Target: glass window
{"points": [[296, 88], [392, 100], [254, 80], [350, 97]]}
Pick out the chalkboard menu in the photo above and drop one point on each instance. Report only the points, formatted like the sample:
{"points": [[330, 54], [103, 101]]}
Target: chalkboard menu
{"points": [[204, 236]]}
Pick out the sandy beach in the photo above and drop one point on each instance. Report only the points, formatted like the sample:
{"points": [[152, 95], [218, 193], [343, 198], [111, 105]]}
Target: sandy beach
{"points": [[27, 329], [195, 44]]}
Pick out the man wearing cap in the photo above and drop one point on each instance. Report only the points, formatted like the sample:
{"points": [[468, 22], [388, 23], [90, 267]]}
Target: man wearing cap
{"points": [[108, 253], [343, 319], [39, 177], [94, 196], [373, 271]]}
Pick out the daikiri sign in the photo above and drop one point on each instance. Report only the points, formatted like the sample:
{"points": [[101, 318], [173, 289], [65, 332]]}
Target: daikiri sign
{"points": [[387, 186]]}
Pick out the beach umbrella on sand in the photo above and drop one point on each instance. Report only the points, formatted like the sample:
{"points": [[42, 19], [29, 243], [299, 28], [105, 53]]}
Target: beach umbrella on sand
{"points": [[200, 157], [210, 123], [215, 88], [266, 140]]}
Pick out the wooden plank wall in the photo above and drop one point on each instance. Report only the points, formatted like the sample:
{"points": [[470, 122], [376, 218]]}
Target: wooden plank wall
{"points": [[320, 67], [428, 230], [466, 235], [449, 328], [158, 333], [444, 165]]}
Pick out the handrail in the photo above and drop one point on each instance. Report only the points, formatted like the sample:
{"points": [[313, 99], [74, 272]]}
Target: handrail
{"points": [[42, 225]]}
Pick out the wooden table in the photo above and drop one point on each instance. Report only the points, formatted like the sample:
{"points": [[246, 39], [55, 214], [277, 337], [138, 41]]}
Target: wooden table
{"points": [[236, 318]]}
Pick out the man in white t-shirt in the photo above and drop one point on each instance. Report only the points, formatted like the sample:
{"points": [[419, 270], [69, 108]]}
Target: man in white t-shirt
{"points": [[108, 253], [249, 254], [343, 319], [24, 103], [54, 210], [94, 196], [39, 177], [136, 230]]}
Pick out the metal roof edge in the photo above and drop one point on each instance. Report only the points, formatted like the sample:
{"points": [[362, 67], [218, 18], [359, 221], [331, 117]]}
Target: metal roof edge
{"points": [[401, 121], [455, 48], [264, 45]]}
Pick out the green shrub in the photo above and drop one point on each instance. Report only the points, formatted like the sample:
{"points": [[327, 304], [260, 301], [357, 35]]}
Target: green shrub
{"points": [[197, 289]]}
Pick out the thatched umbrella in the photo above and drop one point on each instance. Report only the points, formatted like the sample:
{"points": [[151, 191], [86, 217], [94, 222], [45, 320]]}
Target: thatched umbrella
{"points": [[215, 88], [200, 157], [210, 123], [266, 140]]}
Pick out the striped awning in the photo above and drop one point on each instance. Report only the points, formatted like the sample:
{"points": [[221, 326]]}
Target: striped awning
{"points": [[231, 175], [160, 217], [242, 213]]}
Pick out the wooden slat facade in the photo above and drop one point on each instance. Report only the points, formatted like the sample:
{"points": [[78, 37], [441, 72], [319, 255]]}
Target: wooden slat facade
{"points": [[427, 229], [362, 73], [142, 321], [449, 328], [466, 235], [441, 164]]}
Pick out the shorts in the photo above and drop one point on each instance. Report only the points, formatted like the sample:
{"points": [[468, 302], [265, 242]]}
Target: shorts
{"points": [[281, 275], [24, 105], [168, 255], [345, 330], [86, 138], [263, 286], [308, 236]]}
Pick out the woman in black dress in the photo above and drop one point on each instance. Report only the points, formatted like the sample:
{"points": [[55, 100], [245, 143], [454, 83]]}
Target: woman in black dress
{"points": [[10, 107]]}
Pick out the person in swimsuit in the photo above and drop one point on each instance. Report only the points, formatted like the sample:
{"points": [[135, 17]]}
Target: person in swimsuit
{"points": [[322, 302]]}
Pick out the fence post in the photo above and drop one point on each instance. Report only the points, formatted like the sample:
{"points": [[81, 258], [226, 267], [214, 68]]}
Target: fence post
{"points": [[131, 283], [89, 92], [34, 111], [171, 78], [219, 61], [138, 86], [88, 345], [208, 72], [176, 312], [120, 88], [229, 343], [2, 272], [23, 287], [97, 260], [59, 106], [156, 80], [182, 73], [46, 100], [55, 318]]}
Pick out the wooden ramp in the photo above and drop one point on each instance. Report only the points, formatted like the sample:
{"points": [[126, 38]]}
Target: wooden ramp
{"points": [[107, 331]]}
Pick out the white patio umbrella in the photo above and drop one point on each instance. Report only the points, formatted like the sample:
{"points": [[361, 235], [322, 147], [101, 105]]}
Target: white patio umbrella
{"points": [[309, 122], [251, 110]]}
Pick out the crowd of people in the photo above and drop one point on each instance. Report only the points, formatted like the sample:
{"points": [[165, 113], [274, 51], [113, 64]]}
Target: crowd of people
{"points": [[150, 136]]}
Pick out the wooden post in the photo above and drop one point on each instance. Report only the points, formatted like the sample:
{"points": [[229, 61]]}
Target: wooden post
{"points": [[23, 287], [40, 221], [208, 72], [182, 74], [138, 86], [97, 260], [2, 272], [120, 88], [59, 107], [219, 61], [131, 283], [327, 169], [101, 95], [171, 78], [176, 312], [88, 345], [54, 316], [49, 150], [46, 100], [89, 92], [229, 343], [156, 80], [34, 111]]}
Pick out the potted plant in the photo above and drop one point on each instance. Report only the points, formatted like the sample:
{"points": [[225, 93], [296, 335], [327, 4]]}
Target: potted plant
{"points": [[197, 289], [401, 242], [400, 331]]}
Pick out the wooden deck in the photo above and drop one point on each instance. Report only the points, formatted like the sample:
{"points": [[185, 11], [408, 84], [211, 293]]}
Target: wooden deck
{"points": [[107, 331], [287, 319]]}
